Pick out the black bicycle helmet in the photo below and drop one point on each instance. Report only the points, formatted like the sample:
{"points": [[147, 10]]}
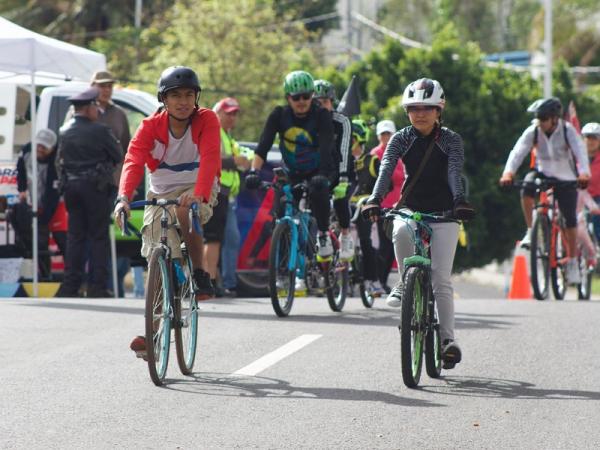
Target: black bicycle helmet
{"points": [[546, 107], [177, 77]]}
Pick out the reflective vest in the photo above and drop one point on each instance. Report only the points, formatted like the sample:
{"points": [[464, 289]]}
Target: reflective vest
{"points": [[230, 178]]}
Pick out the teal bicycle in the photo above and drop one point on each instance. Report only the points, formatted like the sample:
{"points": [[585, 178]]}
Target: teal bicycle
{"points": [[419, 326], [293, 253], [170, 297]]}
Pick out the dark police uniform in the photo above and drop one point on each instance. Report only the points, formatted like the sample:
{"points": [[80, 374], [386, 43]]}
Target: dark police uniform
{"points": [[87, 156]]}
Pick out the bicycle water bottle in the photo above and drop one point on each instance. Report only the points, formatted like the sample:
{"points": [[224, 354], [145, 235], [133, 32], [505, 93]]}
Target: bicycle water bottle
{"points": [[179, 272]]}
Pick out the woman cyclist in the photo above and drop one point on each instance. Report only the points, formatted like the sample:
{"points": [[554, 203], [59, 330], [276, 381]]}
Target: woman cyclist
{"points": [[438, 188]]}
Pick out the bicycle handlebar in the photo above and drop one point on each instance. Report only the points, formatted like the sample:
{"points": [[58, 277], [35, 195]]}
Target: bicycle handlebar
{"points": [[543, 183], [194, 216], [439, 216]]}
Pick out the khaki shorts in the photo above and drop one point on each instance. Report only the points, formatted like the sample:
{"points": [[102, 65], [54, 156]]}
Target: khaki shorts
{"points": [[152, 214]]}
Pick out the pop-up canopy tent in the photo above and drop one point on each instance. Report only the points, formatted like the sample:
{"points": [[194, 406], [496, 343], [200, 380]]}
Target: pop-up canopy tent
{"points": [[32, 57]]}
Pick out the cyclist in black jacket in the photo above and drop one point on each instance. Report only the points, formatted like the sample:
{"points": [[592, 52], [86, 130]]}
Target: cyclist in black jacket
{"points": [[306, 142]]}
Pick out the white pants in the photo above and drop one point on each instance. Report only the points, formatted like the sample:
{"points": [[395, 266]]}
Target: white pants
{"points": [[443, 248]]}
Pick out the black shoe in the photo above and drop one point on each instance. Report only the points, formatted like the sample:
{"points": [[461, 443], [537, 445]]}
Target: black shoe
{"points": [[229, 293], [100, 293], [204, 287], [451, 354], [65, 292], [218, 289]]}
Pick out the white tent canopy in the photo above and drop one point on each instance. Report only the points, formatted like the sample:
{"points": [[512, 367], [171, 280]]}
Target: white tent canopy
{"points": [[26, 55], [24, 52]]}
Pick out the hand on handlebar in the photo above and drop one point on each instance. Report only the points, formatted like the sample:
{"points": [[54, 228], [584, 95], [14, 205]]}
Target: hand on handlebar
{"points": [[506, 179], [121, 213], [186, 200], [583, 180], [371, 210], [253, 180]]}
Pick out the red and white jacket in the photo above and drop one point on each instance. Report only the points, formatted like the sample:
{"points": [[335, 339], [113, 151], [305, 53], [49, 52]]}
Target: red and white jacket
{"points": [[174, 162]]}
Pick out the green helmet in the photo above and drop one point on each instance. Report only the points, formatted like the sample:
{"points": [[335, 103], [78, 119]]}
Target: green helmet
{"points": [[324, 89], [360, 131], [298, 82]]}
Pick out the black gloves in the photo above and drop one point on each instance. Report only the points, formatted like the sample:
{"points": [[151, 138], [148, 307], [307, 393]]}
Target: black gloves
{"points": [[463, 210], [253, 180], [372, 208]]}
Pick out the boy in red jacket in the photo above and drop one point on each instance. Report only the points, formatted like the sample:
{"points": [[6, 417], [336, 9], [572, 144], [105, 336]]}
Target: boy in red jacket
{"points": [[181, 146]]}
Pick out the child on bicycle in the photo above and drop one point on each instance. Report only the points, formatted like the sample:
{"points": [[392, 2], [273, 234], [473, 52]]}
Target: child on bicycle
{"points": [[438, 188], [181, 146], [366, 168], [555, 142]]}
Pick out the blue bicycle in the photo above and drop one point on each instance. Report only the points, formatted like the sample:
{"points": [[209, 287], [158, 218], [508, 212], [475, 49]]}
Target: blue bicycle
{"points": [[170, 297], [293, 253]]}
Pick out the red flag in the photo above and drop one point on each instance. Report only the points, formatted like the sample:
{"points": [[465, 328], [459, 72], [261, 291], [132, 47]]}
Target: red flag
{"points": [[572, 117]]}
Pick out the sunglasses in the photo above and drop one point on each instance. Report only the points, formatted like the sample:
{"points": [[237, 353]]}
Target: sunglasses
{"points": [[297, 97], [414, 109]]}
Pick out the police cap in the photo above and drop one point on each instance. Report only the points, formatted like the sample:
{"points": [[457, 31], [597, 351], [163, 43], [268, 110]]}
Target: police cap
{"points": [[85, 97]]}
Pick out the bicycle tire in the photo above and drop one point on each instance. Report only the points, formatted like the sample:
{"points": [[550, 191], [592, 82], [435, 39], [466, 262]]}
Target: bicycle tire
{"points": [[412, 326], [158, 316], [433, 341], [186, 319], [584, 289], [282, 296], [558, 276], [337, 285], [540, 256], [357, 278]]}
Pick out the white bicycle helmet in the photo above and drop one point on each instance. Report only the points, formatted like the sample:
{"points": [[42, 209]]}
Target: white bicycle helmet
{"points": [[592, 128], [424, 91]]}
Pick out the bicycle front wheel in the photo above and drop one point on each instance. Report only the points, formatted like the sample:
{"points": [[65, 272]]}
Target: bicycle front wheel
{"points": [[337, 284], [358, 269], [584, 289], [281, 278], [433, 343], [186, 319], [158, 316], [558, 272], [413, 326], [540, 256]]}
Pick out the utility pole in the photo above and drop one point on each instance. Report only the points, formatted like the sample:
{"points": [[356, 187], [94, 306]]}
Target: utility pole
{"points": [[137, 22], [548, 48]]}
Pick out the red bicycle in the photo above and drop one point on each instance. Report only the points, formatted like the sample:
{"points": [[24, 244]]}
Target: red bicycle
{"points": [[548, 249]]}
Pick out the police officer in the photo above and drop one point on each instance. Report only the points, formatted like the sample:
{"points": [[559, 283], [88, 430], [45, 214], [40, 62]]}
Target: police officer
{"points": [[87, 156]]}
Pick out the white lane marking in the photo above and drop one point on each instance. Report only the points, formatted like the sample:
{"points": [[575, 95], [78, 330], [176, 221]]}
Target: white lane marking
{"points": [[277, 355]]}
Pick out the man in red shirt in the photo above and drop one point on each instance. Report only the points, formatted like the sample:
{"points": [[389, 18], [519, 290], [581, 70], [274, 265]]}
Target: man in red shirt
{"points": [[181, 146]]}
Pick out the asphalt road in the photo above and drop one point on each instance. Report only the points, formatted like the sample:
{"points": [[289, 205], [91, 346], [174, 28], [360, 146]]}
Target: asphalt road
{"points": [[528, 380]]}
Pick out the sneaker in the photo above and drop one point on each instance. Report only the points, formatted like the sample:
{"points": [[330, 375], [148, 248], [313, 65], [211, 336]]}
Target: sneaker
{"points": [[138, 345], [526, 241], [204, 288], [346, 247], [573, 275], [324, 246], [375, 288], [394, 299], [300, 287], [229, 293], [451, 354]]}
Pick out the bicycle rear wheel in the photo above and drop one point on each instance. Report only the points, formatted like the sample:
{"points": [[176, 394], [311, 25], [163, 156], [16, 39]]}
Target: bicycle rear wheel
{"points": [[433, 342], [358, 267], [281, 278], [412, 328], [158, 316], [186, 318], [539, 258], [558, 273]]}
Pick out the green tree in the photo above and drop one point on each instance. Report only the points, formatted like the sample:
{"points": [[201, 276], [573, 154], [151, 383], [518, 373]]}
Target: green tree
{"points": [[487, 106], [309, 11], [238, 48]]}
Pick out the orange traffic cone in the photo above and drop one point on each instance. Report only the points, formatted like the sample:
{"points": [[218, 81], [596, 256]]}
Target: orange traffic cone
{"points": [[520, 289]]}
